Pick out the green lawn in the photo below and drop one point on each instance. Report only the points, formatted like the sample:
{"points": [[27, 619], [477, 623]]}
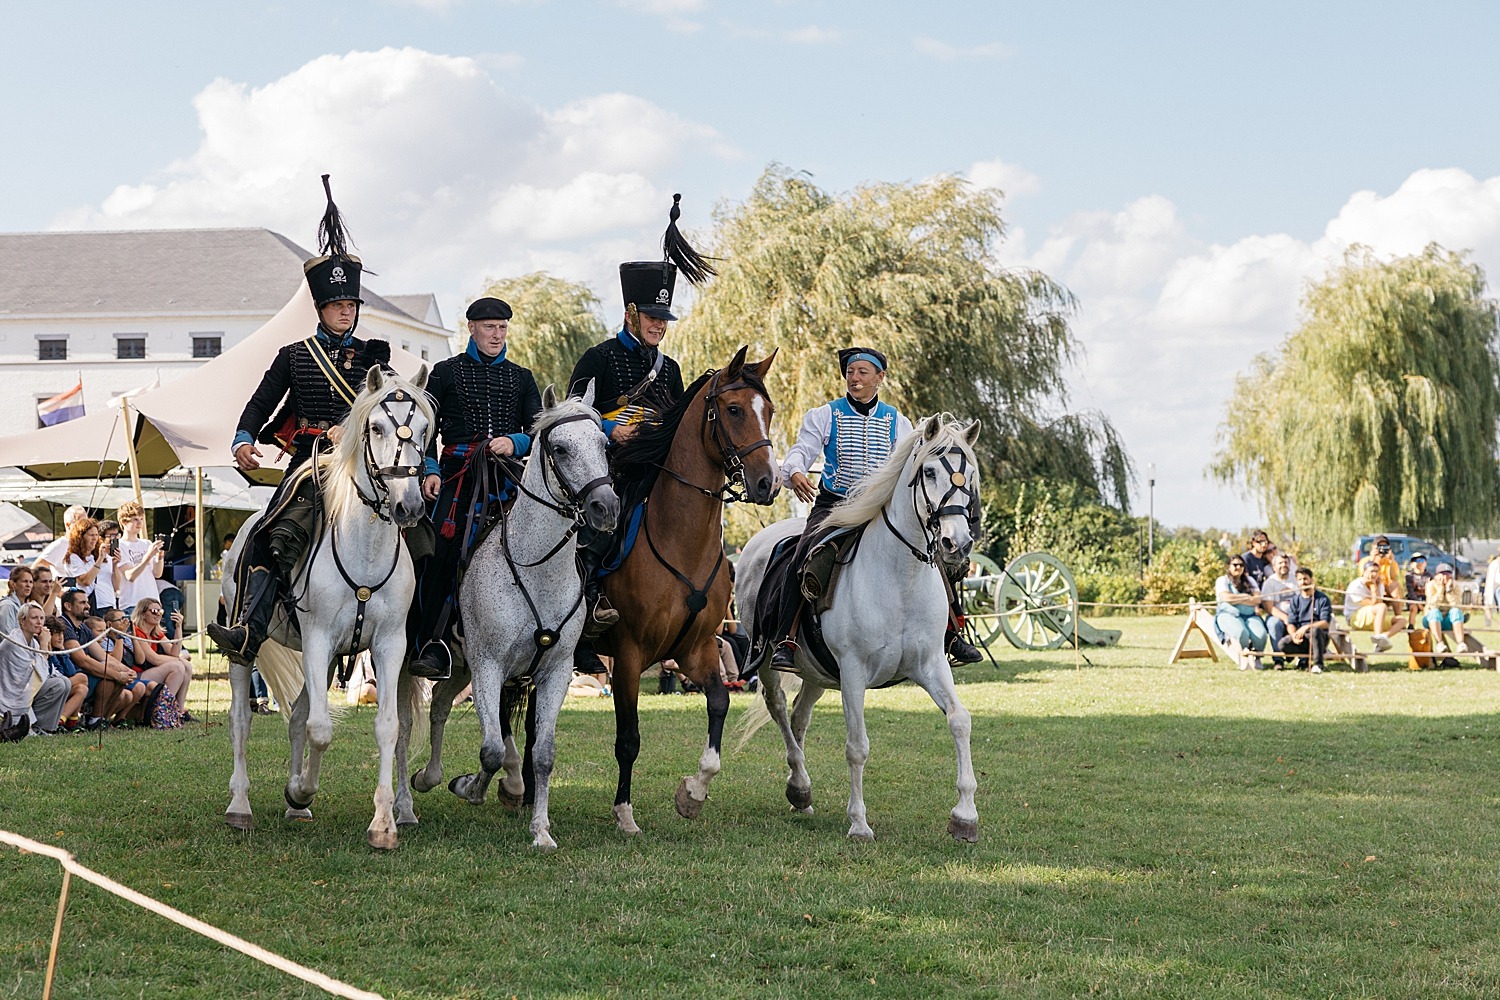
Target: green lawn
{"points": [[1182, 831]]}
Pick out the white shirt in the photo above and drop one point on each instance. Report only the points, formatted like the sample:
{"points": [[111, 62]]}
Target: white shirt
{"points": [[1278, 591], [17, 668], [1358, 594], [812, 439], [56, 549], [131, 592], [104, 584], [76, 566], [1492, 582]]}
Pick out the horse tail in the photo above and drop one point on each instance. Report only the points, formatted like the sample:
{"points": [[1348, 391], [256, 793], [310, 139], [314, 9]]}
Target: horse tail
{"points": [[281, 669], [758, 714]]}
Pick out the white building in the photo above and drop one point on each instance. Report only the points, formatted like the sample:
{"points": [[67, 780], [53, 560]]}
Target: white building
{"points": [[119, 309]]}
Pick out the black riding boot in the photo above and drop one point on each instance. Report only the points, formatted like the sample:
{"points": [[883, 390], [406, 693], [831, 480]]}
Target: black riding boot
{"points": [[241, 641], [598, 616], [434, 662], [962, 650]]}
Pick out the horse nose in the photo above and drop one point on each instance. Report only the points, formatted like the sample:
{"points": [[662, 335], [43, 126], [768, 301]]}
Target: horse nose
{"points": [[604, 511], [765, 488]]}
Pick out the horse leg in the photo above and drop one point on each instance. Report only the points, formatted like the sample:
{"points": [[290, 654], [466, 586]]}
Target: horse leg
{"points": [[316, 658], [238, 814], [488, 679], [963, 821], [857, 751], [799, 782], [297, 736], [386, 651], [512, 793], [627, 689], [443, 693], [406, 691], [692, 792], [545, 702]]}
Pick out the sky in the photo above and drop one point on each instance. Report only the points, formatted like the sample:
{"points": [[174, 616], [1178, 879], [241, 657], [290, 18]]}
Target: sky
{"points": [[1184, 169]]}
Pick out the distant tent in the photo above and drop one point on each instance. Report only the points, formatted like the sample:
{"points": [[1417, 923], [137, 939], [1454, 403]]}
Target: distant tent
{"points": [[63, 407]]}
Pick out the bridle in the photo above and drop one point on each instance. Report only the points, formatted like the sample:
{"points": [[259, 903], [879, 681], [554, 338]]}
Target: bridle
{"points": [[380, 503], [733, 462], [959, 481]]}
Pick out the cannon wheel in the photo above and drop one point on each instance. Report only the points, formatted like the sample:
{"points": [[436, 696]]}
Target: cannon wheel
{"points": [[1035, 602], [982, 597]]}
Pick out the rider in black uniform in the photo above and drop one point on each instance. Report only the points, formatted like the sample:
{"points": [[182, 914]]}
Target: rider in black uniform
{"points": [[318, 379], [485, 403]]}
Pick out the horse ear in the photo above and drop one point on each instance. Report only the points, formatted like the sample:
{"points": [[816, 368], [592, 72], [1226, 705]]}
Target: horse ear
{"points": [[761, 367], [971, 433], [588, 393], [374, 379], [930, 427], [736, 364], [421, 379], [549, 397]]}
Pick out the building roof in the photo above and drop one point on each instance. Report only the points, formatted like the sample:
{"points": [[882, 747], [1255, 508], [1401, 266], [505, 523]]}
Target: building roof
{"points": [[155, 270], [423, 306]]}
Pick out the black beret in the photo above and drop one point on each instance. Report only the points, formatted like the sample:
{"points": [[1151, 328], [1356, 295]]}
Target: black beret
{"points": [[487, 308]]}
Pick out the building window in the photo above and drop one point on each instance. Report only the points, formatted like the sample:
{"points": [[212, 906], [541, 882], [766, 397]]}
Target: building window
{"points": [[424, 354], [130, 348], [52, 350], [406, 345], [207, 345]]}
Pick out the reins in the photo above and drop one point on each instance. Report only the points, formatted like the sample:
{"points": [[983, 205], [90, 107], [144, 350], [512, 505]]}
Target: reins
{"points": [[958, 480]]}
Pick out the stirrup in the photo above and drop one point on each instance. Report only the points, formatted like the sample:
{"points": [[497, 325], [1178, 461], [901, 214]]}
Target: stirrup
{"points": [[783, 657], [962, 650], [434, 662], [233, 642], [600, 619]]}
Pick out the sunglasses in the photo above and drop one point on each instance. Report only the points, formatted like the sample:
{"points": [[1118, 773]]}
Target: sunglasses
{"points": [[153, 611]]}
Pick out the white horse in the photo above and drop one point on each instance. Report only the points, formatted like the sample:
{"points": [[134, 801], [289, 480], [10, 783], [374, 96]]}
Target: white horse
{"points": [[522, 600], [889, 610], [353, 590]]}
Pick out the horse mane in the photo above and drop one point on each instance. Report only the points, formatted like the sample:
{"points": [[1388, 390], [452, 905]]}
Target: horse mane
{"points": [[337, 469], [567, 406], [653, 440], [867, 497]]}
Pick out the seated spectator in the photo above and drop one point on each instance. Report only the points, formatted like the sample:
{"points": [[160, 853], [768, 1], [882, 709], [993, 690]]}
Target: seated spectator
{"points": [[19, 592], [1277, 591], [81, 565], [1237, 617], [21, 659], [114, 654], [140, 561], [1309, 621], [1443, 615], [57, 550], [1415, 589], [60, 664], [155, 649], [107, 681], [1368, 608], [45, 590], [1257, 557]]}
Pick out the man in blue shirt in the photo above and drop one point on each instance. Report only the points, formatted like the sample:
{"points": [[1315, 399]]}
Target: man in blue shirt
{"points": [[1309, 617]]}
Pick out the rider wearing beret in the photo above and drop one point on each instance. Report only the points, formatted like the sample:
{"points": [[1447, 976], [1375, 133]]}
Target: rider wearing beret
{"points": [[310, 387], [485, 404]]}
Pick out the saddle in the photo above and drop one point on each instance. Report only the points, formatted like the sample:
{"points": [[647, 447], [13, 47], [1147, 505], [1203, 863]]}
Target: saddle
{"points": [[819, 574], [829, 552]]}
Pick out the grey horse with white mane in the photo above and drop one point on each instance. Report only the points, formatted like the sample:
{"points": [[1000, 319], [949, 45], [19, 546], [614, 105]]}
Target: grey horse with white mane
{"points": [[889, 610], [353, 590], [522, 602]]}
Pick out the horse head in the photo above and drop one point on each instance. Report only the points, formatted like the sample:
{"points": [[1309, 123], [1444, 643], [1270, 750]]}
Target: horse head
{"points": [[945, 482], [393, 417], [737, 418], [571, 442]]}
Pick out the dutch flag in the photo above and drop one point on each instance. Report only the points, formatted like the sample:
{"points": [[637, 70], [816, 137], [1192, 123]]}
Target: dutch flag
{"points": [[62, 407]]}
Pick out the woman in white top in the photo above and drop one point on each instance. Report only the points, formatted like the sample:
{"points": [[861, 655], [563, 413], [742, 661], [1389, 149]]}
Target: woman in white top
{"points": [[85, 547], [140, 561], [1238, 614]]}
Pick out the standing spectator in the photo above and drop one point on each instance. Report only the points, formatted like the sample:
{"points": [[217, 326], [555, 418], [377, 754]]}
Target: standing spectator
{"points": [[1309, 621], [21, 658], [1416, 592], [80, 566], [1391, 577], [1257, 558], [1443, 613], [1277, 592], [140, 561], [108, 682], [107, 584], [1368, 607], [154, 648], [57, 549], [19, 592], [1236, 616], [45, 590], [1492, 587]]}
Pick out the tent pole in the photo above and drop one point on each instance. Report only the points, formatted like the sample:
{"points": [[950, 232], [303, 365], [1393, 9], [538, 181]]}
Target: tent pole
{"points": [[198, 559], [135, 470]]}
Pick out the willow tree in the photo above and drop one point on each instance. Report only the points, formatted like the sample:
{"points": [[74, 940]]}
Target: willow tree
{"points": [[1380, 411], [554, 322], [907, 269]]}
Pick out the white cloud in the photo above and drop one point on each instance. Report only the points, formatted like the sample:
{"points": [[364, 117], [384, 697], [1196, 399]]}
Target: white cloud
{"points": [[444, 177], [671, 11], [812, 35], [1167, 321], [949, 52], [1014, 180]]}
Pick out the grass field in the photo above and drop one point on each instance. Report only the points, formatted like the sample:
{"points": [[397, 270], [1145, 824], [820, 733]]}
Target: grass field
{"points": [[1183, 831]]}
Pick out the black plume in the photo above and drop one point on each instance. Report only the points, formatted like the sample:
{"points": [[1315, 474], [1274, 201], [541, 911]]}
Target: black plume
{"points": [[694, 266], [333, 240]]}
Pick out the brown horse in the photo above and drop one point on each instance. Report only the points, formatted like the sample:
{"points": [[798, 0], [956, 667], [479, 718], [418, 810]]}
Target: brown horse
{"points": [[672, 590]]}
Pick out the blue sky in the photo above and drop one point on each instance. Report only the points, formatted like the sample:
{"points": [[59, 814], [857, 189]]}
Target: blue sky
{"points": [[1184, 168]]}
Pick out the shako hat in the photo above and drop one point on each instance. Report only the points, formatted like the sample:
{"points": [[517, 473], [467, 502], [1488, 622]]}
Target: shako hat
{"points": [[849, 355], [333, 275], [488, 307], [648, 284]]}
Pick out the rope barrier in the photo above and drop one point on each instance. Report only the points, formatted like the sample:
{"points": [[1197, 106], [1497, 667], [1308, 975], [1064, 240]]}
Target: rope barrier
{"points": [[71, 867]]}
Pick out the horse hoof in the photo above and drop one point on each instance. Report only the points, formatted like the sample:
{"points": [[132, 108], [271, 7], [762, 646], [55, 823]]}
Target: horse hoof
{"points": [[964, 830], [687, 806], [381, 840], [625, 820], [292, 804], [800, 798], [406, 822], [421, 783], [804, 811], [544, 843], [512, 801], [463, 787], [865, 836], [240, 821], [300, 815]]}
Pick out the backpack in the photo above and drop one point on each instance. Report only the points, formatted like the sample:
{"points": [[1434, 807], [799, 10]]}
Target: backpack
{"points": [[162, 711]]}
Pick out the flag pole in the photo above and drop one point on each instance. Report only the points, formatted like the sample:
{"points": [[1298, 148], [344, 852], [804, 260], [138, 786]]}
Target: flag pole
{"points": [[198, 558]]}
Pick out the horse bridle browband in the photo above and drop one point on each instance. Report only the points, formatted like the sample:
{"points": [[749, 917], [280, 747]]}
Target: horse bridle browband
{"points": [[380, 503], [733, 490], [959, 479]]}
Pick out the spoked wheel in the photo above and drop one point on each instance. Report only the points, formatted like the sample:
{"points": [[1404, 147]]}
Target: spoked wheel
{"points": [[1035, 602], [982, 597]]}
